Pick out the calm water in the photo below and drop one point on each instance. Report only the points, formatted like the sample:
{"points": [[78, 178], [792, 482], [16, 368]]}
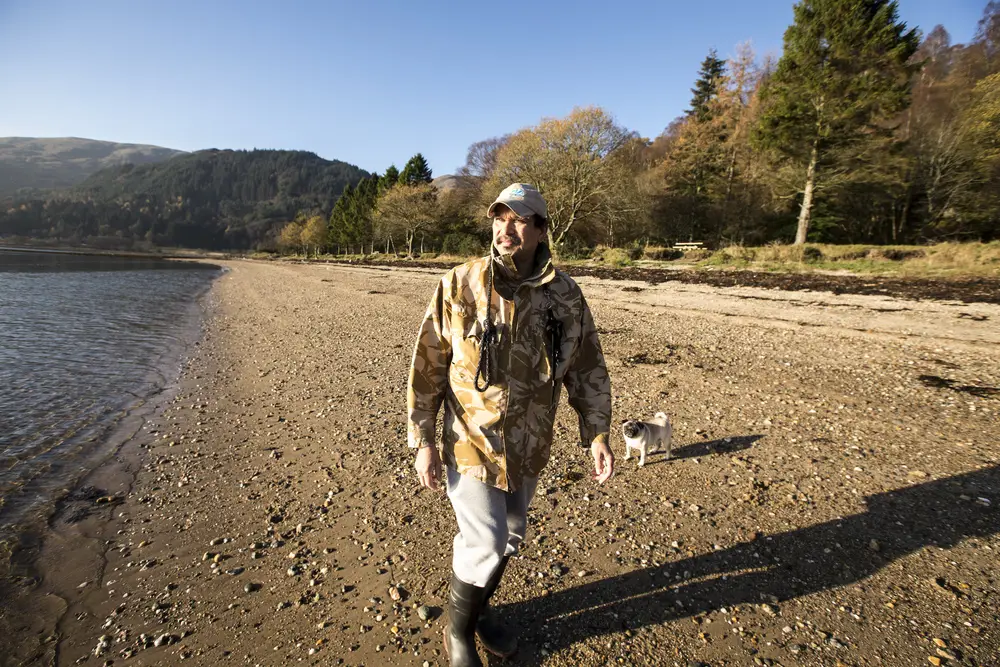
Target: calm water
{"points": [[83, 341]]}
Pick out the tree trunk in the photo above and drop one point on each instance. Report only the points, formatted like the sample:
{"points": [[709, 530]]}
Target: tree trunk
{"points": [[897, 233], [807, 197], [724, 216]]}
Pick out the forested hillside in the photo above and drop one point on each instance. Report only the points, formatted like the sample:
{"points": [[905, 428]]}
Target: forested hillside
{"points": [[33, 164], [213, 199]]}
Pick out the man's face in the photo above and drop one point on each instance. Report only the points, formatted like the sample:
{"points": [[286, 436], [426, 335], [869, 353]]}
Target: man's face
{"points": [[515, 236]]}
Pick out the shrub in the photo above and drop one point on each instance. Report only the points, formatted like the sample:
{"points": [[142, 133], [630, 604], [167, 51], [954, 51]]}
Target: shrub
{"points": [[634, 251], [895, 254], [462, 245], [618, 257], [573, 248], [811, 253], [734, 254], [661, 253]]}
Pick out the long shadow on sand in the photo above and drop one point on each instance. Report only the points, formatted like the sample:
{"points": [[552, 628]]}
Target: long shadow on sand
{"points": [[784, 566], [729, 445]]}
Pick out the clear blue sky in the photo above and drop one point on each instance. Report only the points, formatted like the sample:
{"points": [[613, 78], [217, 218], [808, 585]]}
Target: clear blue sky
{"points": [[370, 83]]}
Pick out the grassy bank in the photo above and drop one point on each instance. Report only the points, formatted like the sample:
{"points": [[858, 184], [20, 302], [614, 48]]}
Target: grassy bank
{"points": [[939, 260], [942, 260]]}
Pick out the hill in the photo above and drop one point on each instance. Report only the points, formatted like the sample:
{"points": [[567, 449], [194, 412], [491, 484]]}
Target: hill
{"points": [[34, 164], [211, 199]]}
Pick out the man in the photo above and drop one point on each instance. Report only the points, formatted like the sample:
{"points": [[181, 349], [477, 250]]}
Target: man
{"points": [[502, 335]]}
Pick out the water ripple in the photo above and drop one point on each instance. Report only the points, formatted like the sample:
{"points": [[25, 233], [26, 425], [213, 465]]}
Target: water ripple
{"points": [[78, 347]]}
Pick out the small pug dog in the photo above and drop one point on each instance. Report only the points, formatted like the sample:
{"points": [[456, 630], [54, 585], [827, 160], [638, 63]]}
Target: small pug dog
{"points": [[644, 436]]}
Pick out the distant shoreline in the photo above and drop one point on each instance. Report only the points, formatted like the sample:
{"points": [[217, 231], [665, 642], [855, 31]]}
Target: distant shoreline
{"points": [[97, 252]]}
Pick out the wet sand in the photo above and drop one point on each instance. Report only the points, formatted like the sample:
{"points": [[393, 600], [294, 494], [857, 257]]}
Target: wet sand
{"points": [[832, 496]]}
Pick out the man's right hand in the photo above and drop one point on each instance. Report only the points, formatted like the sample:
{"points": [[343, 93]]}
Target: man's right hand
{"points": [[428, 467]]}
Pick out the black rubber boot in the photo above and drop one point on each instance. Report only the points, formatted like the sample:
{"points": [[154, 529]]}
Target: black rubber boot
{"points": [[497, 639], [465, 602]]}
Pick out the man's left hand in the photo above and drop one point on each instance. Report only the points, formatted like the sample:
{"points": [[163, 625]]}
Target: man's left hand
{"points": [[604, 462]]}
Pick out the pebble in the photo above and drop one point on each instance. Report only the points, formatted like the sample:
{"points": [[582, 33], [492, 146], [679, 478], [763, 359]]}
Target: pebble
{"points": [[235, 571], [424, 612], [250, 587]]}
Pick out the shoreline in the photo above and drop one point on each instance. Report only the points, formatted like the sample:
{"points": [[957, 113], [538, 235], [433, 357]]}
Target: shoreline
{"points": [[79, 518], [965, 289], [273, 509]]}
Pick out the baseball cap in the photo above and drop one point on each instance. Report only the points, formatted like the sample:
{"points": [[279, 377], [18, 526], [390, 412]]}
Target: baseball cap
{"points": [[523, 199]]}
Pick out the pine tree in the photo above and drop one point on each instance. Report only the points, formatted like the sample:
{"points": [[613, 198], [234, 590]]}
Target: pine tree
{"points": [[843, 75], [416, 171], [707, 85], [339, 216], [389, 179]]}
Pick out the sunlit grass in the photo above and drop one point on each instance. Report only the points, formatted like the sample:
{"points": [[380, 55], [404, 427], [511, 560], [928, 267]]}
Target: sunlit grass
{"points": [[941, 260]]}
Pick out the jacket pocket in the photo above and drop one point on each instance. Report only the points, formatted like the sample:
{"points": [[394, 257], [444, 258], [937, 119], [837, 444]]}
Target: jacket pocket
{"points": [[465, 350]]}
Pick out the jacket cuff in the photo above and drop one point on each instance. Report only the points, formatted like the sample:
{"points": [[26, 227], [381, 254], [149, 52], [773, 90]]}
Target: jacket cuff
{"points": [[417, 439], [600, 438]]}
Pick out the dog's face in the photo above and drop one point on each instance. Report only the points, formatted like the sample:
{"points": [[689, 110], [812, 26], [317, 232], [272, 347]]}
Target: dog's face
{"points": [[632, 428]]}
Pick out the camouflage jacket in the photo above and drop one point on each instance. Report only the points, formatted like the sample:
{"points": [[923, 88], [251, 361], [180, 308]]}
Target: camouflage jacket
{"points": [[503, 434]]}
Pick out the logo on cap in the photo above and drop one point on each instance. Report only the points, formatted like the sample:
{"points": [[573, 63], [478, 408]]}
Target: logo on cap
{"points": [[517, 192]]}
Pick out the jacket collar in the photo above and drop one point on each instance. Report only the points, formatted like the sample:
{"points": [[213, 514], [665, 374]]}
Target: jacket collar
{"points": [[504, 268]]}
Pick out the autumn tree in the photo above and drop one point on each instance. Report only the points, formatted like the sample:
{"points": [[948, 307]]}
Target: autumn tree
{"points": [[290, 237], [314, 234], [585, 167], [406, 210], [973, 205], [710, 179], [843, 76]]}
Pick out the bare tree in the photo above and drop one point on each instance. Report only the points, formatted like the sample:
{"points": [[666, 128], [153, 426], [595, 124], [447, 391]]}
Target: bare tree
{"points": [[406, 210], [585, 165]]}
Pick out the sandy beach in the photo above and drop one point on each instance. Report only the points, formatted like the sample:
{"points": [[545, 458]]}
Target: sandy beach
{"points": [[832, 499]]}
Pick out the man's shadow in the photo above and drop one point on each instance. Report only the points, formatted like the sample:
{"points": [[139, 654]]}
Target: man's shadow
{"points": [[785, 565]]}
